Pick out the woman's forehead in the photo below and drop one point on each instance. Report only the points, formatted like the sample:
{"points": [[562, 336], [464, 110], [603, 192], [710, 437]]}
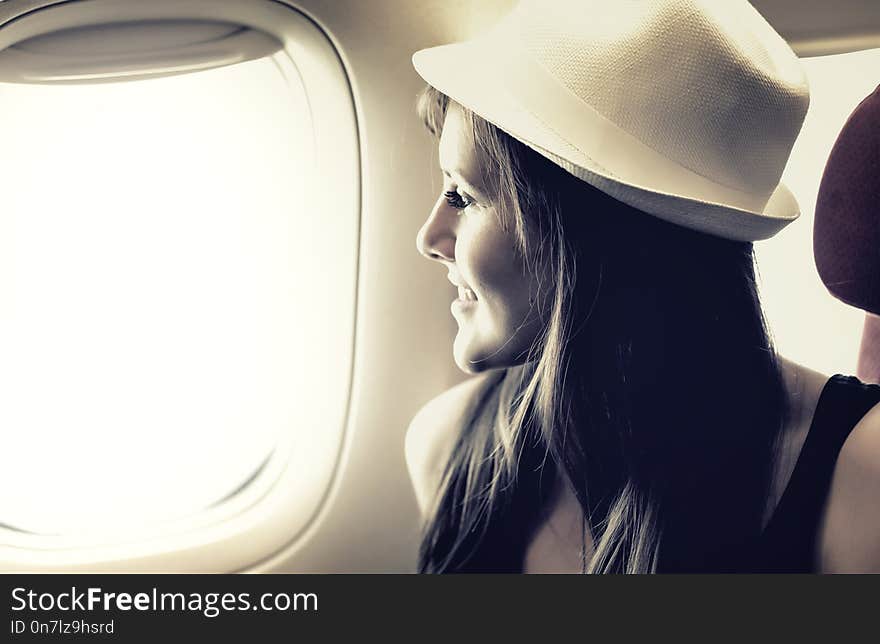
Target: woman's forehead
{"points": [[459, 156]]}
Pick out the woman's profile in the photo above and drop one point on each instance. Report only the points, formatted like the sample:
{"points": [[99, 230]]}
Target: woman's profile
{"points": [[606, 167]]}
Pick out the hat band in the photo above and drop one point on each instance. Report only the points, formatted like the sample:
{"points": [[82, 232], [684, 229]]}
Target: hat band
{"points": [[623, 156]]}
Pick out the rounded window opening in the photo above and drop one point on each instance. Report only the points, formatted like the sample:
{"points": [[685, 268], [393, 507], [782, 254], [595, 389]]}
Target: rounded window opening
{"points": [[159, 303]]}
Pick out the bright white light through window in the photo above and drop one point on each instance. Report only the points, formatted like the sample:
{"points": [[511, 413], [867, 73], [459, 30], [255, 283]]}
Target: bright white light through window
{"points": [[809, 325], [157, 293]]}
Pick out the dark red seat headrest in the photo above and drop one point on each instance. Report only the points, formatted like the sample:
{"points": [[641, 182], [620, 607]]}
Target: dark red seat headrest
{"points": [[846, 232]]}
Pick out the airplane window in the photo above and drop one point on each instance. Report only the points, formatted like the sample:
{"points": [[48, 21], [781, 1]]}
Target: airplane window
{"points": [[809, 325], [164, 297]]}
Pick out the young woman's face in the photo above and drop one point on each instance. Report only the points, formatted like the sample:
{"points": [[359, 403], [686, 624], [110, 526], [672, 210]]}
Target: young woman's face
{"points": [[496, 320]]}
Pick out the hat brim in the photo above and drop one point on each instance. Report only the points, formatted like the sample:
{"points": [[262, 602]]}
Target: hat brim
{"points": [[461, 72]]}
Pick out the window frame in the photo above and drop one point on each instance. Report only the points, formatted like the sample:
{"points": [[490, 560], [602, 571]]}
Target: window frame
{"points": [[268, 514]]}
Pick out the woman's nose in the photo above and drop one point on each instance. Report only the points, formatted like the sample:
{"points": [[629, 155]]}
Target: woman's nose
{"points": [[436, 238]]}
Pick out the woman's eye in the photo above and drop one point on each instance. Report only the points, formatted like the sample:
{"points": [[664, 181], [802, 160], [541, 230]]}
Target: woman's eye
{"points": [[456, 200]]}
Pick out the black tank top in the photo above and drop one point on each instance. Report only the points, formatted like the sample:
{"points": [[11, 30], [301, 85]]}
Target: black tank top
{"points": [[789, 541], [788, 544]]}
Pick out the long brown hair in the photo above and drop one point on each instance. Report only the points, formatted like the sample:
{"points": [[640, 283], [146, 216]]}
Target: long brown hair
{"points": [[653, 387]]}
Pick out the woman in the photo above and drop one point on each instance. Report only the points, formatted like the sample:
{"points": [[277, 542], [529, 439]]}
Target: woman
{"points": [[606, 166]]}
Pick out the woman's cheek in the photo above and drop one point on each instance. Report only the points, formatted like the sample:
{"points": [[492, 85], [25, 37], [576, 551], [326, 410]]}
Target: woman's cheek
{"points": [[500, 275]]}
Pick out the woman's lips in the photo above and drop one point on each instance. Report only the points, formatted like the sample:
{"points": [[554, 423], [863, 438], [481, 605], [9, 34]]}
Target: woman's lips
{"points": [[466, 294], [466, 301]]}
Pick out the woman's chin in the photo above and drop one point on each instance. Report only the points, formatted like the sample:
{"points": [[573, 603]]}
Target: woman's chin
{"points": [[468, 365], [466, 357], [475, 354]]}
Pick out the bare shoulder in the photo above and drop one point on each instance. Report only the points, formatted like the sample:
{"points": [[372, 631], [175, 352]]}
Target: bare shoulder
{"points": [[431, 435], [804, 386], [850, 532]]}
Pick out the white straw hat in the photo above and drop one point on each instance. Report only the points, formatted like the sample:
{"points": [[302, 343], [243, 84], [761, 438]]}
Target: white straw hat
{"points": [[684, 109]]}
